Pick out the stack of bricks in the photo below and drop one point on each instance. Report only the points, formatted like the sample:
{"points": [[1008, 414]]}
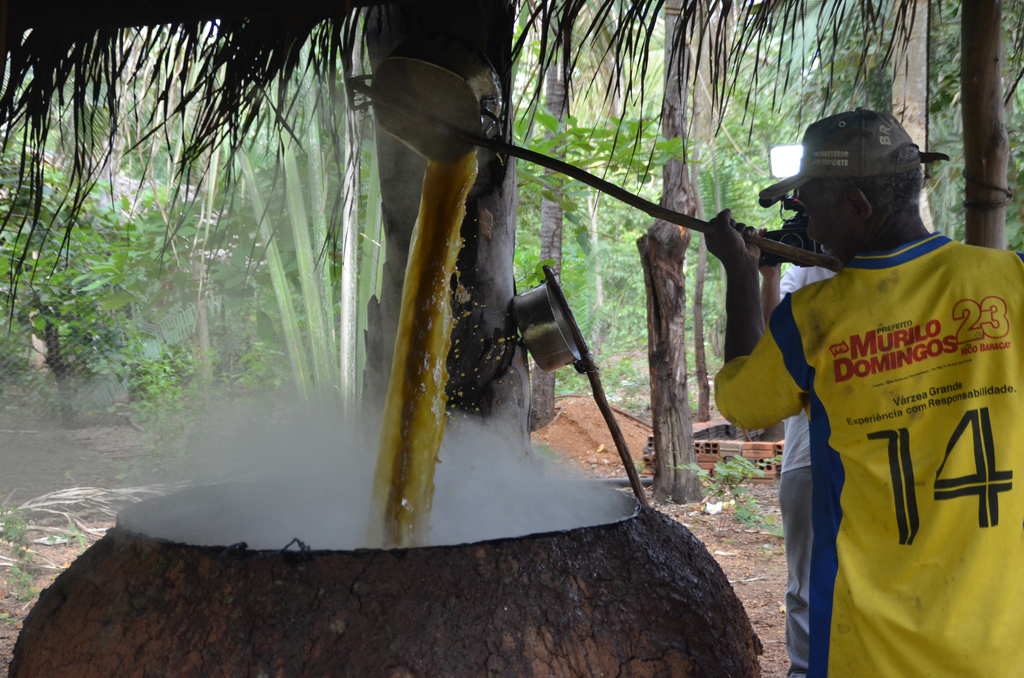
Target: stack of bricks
{"points": [[764, 455], [731, 448], [707, 454]]}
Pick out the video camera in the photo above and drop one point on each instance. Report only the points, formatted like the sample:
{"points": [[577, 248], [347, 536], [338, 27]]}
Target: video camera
{"points": [[793, 233]]}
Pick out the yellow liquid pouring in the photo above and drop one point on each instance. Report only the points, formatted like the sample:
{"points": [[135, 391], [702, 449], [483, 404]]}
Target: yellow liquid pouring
{"points": [[414, 411]]}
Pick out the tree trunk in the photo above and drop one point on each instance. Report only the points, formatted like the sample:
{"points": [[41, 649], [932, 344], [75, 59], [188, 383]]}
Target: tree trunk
{"points": [[542, 399], [204, 362], [708, 61], [699, 354], [556, 604], [986, 150], [487, 367], [910, 89], [61, 370], [663, 251]]}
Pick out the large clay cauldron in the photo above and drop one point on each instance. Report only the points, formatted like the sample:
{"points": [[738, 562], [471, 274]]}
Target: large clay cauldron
{"points": [[638, 597]]}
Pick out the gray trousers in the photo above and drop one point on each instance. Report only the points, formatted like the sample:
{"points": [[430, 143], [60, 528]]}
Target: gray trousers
{"points": [[795, 502]]}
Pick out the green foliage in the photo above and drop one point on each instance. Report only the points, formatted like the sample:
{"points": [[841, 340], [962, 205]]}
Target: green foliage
{"points": [[300, 276], [14, 345], [258, 367], [628, 373], [78, 292], [599, 233], [13, 530], [727, 484], [164, 378], [729, 476], [22, 583], [163, 402], [156, 251]]}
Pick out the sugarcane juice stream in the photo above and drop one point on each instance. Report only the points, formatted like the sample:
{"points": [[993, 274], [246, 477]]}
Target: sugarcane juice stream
{"points": [[414, 411]]}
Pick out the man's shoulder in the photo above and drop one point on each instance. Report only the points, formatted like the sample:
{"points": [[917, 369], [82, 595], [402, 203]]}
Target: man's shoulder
{"points": [[986, 262]]}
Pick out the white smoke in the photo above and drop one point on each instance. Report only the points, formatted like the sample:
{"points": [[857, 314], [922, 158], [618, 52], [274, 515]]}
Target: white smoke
{"points": [[311, 477]]}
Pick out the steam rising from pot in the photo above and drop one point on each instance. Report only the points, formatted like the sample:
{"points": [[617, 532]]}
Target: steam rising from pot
{"points": [[310, 478]]}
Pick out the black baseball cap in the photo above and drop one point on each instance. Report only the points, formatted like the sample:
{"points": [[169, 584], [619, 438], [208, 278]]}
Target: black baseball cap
{"points": [[858, 143]]}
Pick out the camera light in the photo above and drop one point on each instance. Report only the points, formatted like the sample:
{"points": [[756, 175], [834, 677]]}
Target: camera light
{"points": [[785, 160]]}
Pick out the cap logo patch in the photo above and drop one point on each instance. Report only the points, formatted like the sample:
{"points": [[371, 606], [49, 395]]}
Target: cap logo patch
{"points": [[883, 137], [830, 159]]}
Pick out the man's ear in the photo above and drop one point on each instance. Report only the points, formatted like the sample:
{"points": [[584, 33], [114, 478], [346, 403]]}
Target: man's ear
{"points": [[858, 202]]}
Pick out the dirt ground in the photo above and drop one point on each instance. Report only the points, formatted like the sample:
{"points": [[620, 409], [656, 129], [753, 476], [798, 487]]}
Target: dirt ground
{"points": [[578, 432], [34, 464]]}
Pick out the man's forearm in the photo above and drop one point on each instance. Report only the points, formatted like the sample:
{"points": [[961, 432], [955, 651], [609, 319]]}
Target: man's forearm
{"points": [[770, 296], [743, 323]]}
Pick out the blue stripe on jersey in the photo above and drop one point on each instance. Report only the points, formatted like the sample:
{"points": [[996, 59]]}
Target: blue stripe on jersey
{"points": [[827, 485], [901, 254], [1021, 255], [787, 338], [827, 478]]}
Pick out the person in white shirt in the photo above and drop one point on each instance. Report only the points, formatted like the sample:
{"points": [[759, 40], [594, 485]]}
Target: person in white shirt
{"points": [[795, 484]]}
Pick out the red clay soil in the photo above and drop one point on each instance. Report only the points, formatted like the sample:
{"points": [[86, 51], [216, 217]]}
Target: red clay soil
{"points": [[579, 432]]}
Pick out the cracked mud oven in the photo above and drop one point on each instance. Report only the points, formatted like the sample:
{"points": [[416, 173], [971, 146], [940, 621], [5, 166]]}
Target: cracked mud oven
{"points": [[752, 560], [639, 595]]}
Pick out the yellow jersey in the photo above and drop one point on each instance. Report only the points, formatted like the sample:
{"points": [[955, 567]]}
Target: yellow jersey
{"points": [[909, 365]]}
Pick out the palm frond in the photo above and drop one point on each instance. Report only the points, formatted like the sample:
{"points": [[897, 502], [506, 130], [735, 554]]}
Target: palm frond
{"points": [[211, 75], [216, 81]]}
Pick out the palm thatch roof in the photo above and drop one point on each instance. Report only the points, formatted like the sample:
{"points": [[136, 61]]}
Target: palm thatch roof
{"points": [[229, 65]]}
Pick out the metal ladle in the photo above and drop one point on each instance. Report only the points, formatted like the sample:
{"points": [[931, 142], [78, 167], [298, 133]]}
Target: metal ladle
{"points": [[443, 138]]}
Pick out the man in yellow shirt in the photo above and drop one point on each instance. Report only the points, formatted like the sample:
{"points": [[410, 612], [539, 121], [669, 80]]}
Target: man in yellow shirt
{"points": [[905, 363]]}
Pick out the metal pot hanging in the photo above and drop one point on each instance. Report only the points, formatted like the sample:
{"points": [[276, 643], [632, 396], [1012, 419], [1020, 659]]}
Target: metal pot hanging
{"points": [[545, 328]]}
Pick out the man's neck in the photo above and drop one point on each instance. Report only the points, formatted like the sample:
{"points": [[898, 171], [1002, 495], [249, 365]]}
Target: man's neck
{"points": [[893, 232]]}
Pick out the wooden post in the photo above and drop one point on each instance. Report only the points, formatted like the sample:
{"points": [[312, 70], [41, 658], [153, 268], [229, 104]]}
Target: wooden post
{"points": [[486, 367], [985, 141]]}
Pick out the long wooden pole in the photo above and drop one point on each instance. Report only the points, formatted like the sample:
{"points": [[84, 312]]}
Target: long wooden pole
{"points": [[787, 252], [432, 125], [587, 365]]}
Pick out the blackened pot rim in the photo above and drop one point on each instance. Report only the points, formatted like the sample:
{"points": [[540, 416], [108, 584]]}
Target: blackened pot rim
{"points": [[241, 549]]}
